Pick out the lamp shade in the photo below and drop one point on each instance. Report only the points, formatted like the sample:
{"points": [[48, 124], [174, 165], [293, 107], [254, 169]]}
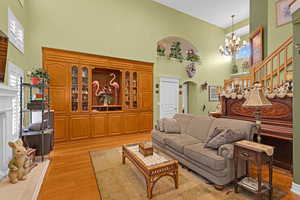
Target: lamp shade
{"points": [[256, 98]]}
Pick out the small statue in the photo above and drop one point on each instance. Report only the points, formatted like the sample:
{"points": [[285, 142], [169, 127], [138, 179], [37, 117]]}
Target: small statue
{"points": [[19, 165]]}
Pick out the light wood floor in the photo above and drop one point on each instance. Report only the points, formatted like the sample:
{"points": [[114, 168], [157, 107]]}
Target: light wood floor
{"points": [[70, 175]]}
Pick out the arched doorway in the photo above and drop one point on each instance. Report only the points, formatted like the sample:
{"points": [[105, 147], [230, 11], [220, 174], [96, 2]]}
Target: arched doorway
{"points": [[189, 91]]}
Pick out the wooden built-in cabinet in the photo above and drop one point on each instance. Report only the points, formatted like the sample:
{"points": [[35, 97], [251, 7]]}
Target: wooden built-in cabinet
{"points": [[77, 79]]}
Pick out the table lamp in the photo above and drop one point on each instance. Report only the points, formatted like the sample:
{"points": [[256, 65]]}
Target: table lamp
{"points": [[256, 99]]}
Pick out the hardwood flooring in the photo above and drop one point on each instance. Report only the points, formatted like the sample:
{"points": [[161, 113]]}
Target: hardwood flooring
{"points": [[70, 175]]}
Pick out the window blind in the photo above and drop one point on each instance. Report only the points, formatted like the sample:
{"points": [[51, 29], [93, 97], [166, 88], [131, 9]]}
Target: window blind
{"points": [[15, 31], [14, 75]]}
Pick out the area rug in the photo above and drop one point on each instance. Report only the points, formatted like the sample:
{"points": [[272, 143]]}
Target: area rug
{"points": [[117, 181]]}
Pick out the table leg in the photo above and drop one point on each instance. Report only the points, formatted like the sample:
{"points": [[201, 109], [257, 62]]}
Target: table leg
{"points": [[271, 178], [259, 179], [149, 188], [236, 174], [176, 178]]}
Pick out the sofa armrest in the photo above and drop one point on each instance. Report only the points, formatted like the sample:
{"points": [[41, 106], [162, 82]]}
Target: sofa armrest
{"points": [[226, 151]]}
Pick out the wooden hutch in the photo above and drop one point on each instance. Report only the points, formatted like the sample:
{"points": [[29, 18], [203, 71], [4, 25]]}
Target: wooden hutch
{"points": [[79, 113]]}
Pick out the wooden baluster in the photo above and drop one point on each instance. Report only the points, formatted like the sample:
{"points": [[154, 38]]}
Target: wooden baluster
{"points": [[278, 69], [285, 63]]}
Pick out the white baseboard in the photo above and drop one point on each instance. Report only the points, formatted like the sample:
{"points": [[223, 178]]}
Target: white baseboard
{"points": [[295, 188]]}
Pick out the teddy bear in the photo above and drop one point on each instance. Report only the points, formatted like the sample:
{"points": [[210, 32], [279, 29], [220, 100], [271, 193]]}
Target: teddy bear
{"points": [[19, 165]]}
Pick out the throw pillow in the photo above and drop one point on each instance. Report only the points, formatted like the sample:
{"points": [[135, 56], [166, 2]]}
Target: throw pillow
{"points": [[171, 125], [216, 132], [160, 125], [227, 136]]}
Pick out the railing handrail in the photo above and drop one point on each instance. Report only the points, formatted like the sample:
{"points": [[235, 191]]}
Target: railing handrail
{"points": [[275, 53]]}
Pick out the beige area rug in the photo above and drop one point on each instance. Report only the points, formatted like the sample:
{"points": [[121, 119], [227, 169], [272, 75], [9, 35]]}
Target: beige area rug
{"points": [[25, 190], [125, 182]]}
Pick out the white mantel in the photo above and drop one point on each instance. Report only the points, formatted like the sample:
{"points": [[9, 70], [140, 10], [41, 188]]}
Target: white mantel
{"points": [[6, 96], [295, 6]]}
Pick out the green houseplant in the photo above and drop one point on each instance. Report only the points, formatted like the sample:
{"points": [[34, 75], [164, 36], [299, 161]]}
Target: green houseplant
{"points": [[39, 74]]}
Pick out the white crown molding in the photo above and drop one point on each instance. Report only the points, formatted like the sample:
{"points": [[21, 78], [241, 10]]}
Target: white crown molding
{"points": [[6, 91], [295, 188], [295, 6]]}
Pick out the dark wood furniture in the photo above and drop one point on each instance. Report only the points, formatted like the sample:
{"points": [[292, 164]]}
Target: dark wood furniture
{"points": [[259, 158], [152, 173], [79, 114], [276, 128]]}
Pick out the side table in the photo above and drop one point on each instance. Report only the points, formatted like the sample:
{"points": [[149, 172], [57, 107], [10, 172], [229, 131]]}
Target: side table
{"points": [[260, 155]]}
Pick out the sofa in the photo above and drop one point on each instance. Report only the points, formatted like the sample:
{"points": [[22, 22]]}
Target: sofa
{"points": [[188, 146]]}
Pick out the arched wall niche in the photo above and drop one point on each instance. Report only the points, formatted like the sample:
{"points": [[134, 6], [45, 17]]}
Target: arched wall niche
{"points": [[186, 46]]}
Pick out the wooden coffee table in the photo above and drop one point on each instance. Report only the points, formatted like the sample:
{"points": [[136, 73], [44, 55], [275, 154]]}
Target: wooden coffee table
{"points": [[152, 167]]}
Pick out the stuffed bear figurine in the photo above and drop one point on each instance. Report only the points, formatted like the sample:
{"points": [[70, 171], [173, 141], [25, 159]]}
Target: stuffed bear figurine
{"points": [[18, 166]]}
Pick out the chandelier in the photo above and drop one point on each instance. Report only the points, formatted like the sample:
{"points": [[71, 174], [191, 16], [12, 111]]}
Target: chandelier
{"points": [[232, 43]]}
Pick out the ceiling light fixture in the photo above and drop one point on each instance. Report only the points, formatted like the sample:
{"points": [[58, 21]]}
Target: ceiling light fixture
{"points": [[232, 43]]}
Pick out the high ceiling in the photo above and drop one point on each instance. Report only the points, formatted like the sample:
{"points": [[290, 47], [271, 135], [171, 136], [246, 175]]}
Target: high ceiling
{"points": [[215, 12]]}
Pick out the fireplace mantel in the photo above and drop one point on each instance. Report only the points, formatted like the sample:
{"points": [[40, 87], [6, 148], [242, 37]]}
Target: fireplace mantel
{"points": [[6, 96]]}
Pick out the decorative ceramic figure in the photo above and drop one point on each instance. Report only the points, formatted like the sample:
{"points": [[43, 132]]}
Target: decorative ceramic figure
{"points": [[98, 91], [115, 85], [191, 70], [19, 165]]}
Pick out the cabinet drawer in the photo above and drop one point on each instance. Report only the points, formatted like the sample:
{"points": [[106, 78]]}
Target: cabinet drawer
{"points": [[245, 154]]}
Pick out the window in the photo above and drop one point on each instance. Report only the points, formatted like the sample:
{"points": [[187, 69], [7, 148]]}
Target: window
{"points": [[15, 31], [14, 75], [244, 52]]}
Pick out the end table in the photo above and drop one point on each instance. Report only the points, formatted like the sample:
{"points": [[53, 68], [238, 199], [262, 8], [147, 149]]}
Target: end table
{"points": [[259, 154]]}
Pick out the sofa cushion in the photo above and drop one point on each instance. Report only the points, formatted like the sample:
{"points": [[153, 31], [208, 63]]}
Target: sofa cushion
{"points": [[171, 125], [199, 127], [244, 126], [183, 120], [178, 142], [161, 136], [205, 156], [227, 136]]}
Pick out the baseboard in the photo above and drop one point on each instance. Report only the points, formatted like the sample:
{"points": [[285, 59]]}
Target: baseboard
{"points": [[295, 188], [41, 179]]}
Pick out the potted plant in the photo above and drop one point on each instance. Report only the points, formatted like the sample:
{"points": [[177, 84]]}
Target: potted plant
{"points": [[37, 75], [191, 56]]}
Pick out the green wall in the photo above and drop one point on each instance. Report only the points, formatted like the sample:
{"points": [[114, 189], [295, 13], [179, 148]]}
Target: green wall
{"points": [[126, 29], [296, 109], [14, 55], [264, 13], [276, 34], [258, 17]]}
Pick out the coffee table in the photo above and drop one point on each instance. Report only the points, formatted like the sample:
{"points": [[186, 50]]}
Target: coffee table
{"points": [[152, 167]]}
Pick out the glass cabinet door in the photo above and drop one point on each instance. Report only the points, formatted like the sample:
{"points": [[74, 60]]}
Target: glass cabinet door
{"points": [[134, 86], [127, 89], [84, 89], [74, 89]]}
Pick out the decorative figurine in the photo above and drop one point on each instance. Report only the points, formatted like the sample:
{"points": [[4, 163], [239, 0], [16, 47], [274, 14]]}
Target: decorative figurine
{"points": [[191, 70], [19, 165], [115, 85]]}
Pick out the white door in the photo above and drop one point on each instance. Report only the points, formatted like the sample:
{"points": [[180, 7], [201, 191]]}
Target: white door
{"points": [[169, 89], [185, 89]]}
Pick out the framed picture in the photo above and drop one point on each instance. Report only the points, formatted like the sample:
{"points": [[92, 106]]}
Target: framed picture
{"points": [[283, 13], [256, 43], [213, 93]]}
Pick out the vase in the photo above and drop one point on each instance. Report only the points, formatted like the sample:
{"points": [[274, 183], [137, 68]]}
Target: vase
{"points": [[35, 81], [105, 102]]}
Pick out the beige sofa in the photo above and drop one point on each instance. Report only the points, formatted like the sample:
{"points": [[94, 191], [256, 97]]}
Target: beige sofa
{"points": [[188, 146]]}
